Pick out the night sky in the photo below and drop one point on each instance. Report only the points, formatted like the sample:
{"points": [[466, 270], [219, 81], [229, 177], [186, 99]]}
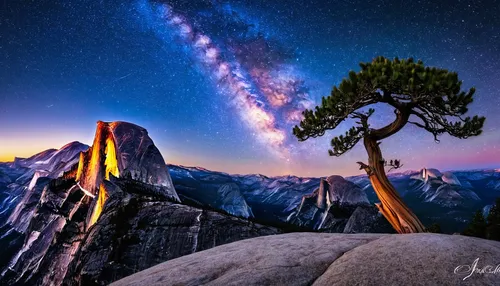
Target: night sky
{"points": [[220, 84]]}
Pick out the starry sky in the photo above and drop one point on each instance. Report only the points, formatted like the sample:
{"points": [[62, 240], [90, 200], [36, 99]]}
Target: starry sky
{"points": [[220, 84]]}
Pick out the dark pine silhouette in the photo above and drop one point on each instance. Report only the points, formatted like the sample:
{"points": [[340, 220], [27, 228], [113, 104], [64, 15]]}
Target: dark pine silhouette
{"points": [[493, 222], [477, 226]]}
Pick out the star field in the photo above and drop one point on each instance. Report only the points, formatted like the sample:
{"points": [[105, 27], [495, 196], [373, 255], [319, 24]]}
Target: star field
{"points": [[220, 84]]}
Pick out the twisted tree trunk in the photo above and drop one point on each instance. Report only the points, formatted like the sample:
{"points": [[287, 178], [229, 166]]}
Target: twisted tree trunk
{"points": [[402, 219], [391, 205]]}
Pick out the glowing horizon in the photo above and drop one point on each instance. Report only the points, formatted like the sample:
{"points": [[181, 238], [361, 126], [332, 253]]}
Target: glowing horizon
{"points": [[487, 159]]}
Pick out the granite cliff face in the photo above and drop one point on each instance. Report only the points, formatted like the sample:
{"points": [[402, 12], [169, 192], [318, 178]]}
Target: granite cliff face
{"points": [[444, 189], [338, 206], [230, 199], [123, 149], [447, 198], [270, 199], [143, 233], [112, 213], [313, 208], [22, 180], [211, 189], [288, 201]]}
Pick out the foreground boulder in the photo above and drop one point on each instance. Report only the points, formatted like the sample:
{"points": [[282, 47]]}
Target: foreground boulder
{"points": [[332, 259]]}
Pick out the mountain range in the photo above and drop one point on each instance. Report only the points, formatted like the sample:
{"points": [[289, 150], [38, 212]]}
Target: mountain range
{"points": [[90, 215], [447, 198]]}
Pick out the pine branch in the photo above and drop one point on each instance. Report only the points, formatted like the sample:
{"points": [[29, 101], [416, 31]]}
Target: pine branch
{"points": [[438, 124], [432, 94], [343, 143]]}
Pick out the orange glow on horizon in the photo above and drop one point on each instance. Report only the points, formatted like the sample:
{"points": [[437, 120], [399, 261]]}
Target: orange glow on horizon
{"points": [[26, 144], [7, 158]]}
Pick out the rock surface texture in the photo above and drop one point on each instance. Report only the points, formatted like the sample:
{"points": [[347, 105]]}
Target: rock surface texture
{"points": [[332, 205], [331, 259], [134, 233], [22, 180]]}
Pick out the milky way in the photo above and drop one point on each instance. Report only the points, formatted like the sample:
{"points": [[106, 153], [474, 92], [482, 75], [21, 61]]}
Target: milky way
{"points": [[264, 90], [221, 83]]}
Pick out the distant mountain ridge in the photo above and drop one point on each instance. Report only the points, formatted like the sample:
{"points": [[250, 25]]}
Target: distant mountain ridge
{"points": [[449, 198], [61, 210], [275, 198], [22, 175]]}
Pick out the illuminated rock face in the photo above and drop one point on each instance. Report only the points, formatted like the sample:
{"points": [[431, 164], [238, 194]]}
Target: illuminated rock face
{"points": [[64, 209], [123, 149], [112, 213], [314, 210], [429, 174], [99, 205]]}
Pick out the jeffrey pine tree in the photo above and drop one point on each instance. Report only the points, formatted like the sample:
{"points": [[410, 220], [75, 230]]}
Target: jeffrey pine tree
{"points": [[429, 98]]}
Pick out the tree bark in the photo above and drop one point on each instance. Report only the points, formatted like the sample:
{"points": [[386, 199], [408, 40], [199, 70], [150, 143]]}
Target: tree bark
{"points": [[402, 219], [391, 205]]}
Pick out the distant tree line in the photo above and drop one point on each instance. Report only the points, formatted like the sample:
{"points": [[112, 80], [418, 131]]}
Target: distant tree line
{"points": [[488, 227]]}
